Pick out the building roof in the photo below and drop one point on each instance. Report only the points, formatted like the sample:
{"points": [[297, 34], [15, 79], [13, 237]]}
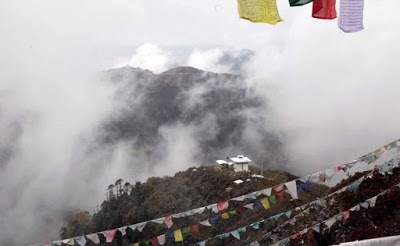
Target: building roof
{"points": [[221, 162], [240, 159]]}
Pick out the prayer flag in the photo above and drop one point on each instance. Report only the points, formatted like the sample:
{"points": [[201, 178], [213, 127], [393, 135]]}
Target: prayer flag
{"points": [[141, 226], [280, 195], [292, 189], [236, 234], [122, 230], [215, 220], [168, 221], [346, 214], [249, 206], [324, 9], [259, 11], [222, 205], [205, 223], [256, 225], [94, 238], [154, 241], [294, 3], [178, 235], [186, 230], [372, 201], [158, 221], [81, 240], [225, 216], [161, 239], [265, 203], [330, 222], [69, 241], [272, 199], [194, 229], [110, 234]]}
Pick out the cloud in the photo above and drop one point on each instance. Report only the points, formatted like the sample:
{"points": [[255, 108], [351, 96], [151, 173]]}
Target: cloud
{"points": [[151, 57], [219, 60]]}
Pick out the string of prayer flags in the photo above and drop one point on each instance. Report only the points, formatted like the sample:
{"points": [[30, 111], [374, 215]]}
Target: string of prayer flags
{"points": [[294, 3], [291, 187], [259, 11], [324, 9]]}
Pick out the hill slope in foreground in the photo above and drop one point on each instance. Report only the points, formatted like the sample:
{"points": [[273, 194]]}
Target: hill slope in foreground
{"points": [[197, 187]]}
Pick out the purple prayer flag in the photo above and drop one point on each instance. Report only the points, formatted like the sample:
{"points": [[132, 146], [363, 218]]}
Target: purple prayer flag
{"points": [[351, 15]]}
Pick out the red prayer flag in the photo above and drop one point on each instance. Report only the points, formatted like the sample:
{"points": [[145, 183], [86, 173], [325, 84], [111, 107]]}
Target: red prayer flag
{"points": [[222, 205], [280, 195], [110, 234], [154, 241], [346, 214], [294, 236], [239, 210], [194, 229], [324, 9]]}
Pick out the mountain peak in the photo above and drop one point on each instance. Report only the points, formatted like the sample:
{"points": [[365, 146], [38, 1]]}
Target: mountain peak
{"points": [[183, 70]]}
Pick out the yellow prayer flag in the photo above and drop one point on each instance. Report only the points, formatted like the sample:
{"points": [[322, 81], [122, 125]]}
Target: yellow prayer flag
{"points": [[259, 11], [265, 203], [136, 244], [225, 216], [178, 235]]}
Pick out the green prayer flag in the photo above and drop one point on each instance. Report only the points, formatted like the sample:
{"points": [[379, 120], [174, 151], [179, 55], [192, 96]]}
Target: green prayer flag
{"points": [[186, 230], [272, 199], [232, 212], [294, 3]]}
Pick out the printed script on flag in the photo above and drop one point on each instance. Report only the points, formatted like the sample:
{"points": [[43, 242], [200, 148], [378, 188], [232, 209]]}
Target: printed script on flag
{"points": [[351, 15]]}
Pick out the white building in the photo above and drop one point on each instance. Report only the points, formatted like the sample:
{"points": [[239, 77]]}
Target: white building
{"points": [[240, 163]]}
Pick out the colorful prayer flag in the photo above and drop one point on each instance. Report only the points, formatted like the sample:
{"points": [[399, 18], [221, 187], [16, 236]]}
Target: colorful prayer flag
{"points": [[194, 229], [265, 203], [259, 11], [110, 234], [324, 9], [222, 205], [178, 235], [294, 3]]}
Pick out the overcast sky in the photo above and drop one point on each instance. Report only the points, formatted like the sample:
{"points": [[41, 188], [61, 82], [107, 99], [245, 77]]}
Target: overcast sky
{"points": [[334, 95]]}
